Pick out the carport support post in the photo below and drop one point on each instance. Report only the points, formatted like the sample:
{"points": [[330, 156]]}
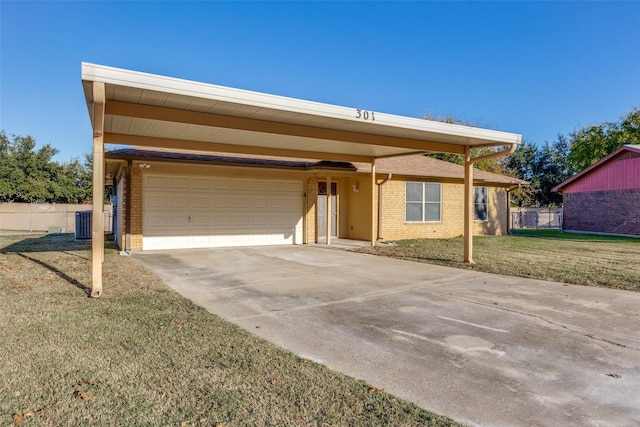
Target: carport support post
{"points": [[328, 210], [373, 202], [468, 205], [97, 218]]}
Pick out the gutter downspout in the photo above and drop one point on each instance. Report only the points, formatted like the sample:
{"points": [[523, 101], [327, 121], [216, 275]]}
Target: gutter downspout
{"points": [[511, 150], [380, 204]]}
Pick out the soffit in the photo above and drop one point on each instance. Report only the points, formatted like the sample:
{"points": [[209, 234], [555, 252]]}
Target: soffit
{"points": [[158, 107]]}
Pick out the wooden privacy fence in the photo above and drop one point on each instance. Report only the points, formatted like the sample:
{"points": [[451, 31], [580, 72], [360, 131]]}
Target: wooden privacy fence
{"points": [[44, 216], [536, 218]]}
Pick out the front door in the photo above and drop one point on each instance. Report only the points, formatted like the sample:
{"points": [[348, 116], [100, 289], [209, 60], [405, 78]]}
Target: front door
{"points": [[322, 209]]}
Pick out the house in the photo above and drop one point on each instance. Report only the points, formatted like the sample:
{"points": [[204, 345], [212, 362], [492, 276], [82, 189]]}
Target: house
{"points": [[131, 108], [188, 199], [605, 197]]}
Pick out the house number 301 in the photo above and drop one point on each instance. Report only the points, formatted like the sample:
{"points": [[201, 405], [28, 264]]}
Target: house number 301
{"points": [[365, 115]]}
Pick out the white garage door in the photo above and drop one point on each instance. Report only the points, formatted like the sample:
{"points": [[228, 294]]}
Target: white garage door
{"points": [[205, 212]]}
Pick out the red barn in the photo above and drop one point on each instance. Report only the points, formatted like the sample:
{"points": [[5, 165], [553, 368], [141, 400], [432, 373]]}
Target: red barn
{"points": [[605, 197]]}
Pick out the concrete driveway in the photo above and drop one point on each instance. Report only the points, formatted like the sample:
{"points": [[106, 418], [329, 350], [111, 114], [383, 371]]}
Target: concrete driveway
{"points": [[483, 349]]}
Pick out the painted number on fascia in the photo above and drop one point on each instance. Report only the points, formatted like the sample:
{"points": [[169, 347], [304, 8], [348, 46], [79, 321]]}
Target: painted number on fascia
{"points": [[365, 115]]}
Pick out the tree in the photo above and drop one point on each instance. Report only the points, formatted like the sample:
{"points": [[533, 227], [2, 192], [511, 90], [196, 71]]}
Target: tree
{"points": [[30, 175], [491, 165], [553, 169], [544, 167], [522, 164], [592, 143]]}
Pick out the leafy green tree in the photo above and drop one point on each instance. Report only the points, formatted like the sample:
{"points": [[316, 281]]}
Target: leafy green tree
{"points": [[592, 143], [553, 169], [523, 165], [31, 175], [491, 165], [544, 167]]}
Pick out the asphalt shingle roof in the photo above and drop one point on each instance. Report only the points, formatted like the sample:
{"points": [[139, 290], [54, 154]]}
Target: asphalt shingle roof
{"points": [[416, 165]]}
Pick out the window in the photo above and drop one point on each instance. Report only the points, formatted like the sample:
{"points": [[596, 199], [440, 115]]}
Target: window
{"points": [[423, 200], [480, 199]]}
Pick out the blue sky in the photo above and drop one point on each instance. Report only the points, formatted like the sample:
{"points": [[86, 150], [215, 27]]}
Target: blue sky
{"points": [[534, 68]]}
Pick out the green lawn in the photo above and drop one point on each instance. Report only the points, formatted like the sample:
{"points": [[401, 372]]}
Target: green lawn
{"points": [[143, 355], [582, 259]]}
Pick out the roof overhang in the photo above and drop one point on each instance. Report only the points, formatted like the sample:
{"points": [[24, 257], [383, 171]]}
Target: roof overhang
{"points": [[157, 111]]}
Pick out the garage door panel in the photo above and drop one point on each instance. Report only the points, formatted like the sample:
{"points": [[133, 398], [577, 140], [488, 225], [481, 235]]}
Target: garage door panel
{"points": [[200, 221], [240, 220], [178, 202], [259, 202], [221, 220], [200, 212], [201, 184], [180, 183], [178, 220], [294, 186], [201, 201], [156, 220], [240, 202], [156, 201], [221, 184], [258, 221], [241, 184], [156, 182], [258, 186], [220, 202]]}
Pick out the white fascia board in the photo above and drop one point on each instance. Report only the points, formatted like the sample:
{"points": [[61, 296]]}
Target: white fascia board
{"points": [[466, 135]]}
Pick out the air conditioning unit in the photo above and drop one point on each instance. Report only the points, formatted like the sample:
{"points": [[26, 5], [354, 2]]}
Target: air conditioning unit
{"points": [[83, 225]]}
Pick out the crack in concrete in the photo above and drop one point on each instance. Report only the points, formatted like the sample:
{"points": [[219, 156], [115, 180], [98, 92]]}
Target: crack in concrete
{"points": [[544, 319]]}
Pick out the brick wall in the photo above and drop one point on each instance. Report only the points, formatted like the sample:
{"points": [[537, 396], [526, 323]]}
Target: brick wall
{"points": [[310, 211], [394, 225], [497, 220], [603, 211], [136, 208]]}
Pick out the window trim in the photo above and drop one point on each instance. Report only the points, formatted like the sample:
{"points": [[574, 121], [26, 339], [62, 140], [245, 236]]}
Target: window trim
{"points": [[423, 202]]}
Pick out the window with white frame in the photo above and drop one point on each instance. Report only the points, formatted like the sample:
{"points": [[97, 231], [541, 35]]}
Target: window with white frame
{"points": [[423, 202], [480, 203]]}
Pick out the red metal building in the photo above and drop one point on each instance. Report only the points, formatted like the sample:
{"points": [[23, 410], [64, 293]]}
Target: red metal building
{"points": [[605, 197]]}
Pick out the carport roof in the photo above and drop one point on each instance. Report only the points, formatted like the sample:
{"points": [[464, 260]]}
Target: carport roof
{"points": [[151, 110]]}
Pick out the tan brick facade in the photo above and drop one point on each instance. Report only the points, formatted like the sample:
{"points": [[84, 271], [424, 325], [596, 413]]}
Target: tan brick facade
{"points": [[311, 210], [395, 227], [136, 209], [355, 210]]}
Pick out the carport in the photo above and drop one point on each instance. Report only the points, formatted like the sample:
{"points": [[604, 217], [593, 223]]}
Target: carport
{"points": [[132, 108]]}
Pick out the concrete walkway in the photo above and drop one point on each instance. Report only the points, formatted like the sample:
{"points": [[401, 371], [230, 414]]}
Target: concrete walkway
{"points": [[483, 349]]}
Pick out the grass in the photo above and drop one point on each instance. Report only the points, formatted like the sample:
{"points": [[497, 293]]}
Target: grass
{"points": [[143, 355], [581, 259]]}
